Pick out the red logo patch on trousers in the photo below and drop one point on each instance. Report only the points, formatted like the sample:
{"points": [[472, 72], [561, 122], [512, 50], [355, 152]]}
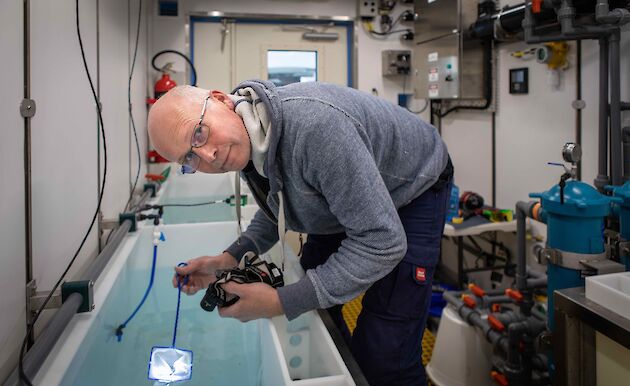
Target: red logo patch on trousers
{"points": [[421, 274]]}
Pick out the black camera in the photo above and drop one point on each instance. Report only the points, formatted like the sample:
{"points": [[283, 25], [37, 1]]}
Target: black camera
{"points": [[252, 269]]}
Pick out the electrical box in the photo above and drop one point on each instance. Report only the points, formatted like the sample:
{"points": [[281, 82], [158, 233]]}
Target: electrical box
{"points": [[368, 9], [447, 64], [519, 80], [396, 62]]}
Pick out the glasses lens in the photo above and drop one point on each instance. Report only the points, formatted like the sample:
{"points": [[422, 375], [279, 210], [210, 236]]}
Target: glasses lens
{"points": [[191, 163], [200, 136]]}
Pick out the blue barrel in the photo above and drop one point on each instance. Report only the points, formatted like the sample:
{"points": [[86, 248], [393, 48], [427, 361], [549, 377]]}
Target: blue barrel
{"points": [[576, 226]]}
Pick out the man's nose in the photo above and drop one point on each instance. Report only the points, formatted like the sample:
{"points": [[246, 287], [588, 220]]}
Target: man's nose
{"points": [[207, 153]]}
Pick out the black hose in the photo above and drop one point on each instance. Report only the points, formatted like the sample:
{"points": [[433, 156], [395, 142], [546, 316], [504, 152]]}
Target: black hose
{"points": [[487, 56], [133, 122], [192, 66], [22, 375]]}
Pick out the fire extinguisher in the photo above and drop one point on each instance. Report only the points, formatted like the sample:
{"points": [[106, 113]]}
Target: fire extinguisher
{"points": [[165, 83]]}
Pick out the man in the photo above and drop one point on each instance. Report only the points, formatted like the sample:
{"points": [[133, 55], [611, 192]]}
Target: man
{"points": [[367, 180]]}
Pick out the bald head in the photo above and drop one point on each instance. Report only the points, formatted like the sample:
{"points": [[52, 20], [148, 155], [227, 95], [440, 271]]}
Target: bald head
{"points": [[169, 114], [172, 120]]}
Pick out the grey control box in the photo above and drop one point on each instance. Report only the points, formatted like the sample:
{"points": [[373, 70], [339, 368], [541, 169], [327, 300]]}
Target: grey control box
{"points": [[368, 9], [396, 62], [446, 64]]}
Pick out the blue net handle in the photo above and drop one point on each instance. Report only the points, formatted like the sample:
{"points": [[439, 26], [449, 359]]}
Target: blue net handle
{"points": [[180, 281]]}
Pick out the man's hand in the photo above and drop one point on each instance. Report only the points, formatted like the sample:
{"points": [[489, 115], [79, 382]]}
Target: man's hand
{"points": [[257, 300], [202, 271]]}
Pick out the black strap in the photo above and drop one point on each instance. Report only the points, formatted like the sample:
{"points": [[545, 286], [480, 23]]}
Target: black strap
{"points": [[259, 186]]}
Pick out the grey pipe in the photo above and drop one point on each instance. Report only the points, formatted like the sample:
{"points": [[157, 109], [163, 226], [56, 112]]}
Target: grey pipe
{"points": [[95, 269], [603, 14], [566, 15], [615, 108], [142, 200], [539, 314], [36, 356], [474, 318], [602, 178], [625, 137], [522, 211]]}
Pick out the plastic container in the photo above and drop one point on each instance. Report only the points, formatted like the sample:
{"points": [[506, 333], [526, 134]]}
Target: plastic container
{"points": [[453, 204], [461, 356]]}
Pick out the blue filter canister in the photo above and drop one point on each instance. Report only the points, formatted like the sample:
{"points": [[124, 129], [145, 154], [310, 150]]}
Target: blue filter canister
{"points": [[622, 211], [574, 225]]}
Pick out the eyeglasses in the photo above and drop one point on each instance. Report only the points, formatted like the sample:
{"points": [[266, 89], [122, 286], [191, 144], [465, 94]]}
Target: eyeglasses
{"points": [[199, 138]]}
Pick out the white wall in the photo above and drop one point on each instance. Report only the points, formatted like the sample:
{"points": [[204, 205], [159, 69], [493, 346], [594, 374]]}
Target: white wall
{"points": [[532, 128], [12, 235], [64, 140], [169, 33]]}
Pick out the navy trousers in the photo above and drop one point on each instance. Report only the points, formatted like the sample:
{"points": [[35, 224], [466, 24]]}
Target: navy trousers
{"points": [[387, 341]]}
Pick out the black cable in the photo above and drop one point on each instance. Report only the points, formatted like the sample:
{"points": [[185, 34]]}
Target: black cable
{"points": [[389, 32], [22, 374], [192, 66], [133, 123], [426, 100], [487, 52]]}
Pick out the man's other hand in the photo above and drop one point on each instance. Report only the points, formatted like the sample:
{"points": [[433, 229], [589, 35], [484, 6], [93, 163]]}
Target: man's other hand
{"points": [[202, 271], [257, 300]]}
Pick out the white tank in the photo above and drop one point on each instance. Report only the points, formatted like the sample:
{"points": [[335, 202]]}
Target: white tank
{"points": [[461, 356]]}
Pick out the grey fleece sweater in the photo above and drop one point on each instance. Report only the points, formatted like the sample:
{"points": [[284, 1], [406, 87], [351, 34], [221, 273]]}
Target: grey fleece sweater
{"points": [[345, 162]]}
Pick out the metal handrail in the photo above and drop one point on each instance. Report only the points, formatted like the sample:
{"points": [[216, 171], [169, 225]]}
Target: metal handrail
{"points": [[45, 342]]}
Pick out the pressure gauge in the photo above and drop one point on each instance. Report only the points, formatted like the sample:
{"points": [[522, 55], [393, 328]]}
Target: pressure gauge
{"points": [[572, 152]]}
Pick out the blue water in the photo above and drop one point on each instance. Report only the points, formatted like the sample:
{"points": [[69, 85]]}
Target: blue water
{"points": [[196, 214], [226, 352]]}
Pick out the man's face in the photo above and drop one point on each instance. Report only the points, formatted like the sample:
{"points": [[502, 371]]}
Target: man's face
{"points": [[173, 119]]}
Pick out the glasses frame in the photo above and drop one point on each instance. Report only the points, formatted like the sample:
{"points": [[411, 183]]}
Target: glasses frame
{"points": [[191, 159]]}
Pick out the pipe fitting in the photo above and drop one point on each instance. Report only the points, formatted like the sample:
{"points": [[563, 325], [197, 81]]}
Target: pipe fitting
{"points": [[603, 14]]}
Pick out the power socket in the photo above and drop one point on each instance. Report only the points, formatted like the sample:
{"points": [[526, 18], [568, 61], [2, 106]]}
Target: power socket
{"points": [[368, 9]]}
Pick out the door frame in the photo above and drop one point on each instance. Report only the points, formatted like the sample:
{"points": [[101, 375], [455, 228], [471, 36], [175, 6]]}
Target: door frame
{"points": [[337, 21]]}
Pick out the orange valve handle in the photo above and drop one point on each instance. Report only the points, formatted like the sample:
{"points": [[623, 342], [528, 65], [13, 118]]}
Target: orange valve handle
{"points": [[499, 378], [536, 6], [515, 295], [469, 301], [495, 307], [495, 323], [154, 177], [476, 290]]}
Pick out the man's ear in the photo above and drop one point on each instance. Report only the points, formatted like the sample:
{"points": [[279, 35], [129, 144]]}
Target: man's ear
{"points": [[222, 97]]}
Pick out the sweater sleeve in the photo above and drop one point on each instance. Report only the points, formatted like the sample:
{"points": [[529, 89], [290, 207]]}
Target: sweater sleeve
{"points": [[260, 236], [338, 164]]}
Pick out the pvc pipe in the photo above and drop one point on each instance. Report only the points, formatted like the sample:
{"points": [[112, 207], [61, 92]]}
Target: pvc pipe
{"points": [[603, 14], [95, 269], [35, 357], [625, 137], [602, 153], [615, 108], [522, 209], [474, 318]]}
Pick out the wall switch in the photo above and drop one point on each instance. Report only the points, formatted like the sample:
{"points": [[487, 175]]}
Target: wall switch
{"points": [[368, 10]]}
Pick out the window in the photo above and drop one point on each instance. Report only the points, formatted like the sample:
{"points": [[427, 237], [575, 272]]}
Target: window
{"points": [[284, 67]]}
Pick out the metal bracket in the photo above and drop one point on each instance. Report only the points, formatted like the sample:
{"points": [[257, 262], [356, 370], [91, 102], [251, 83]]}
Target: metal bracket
{"points": [[571, 260], [602, 267], [624, 248], [35, 299], [27, 108], [85, 288], [109, 223]]}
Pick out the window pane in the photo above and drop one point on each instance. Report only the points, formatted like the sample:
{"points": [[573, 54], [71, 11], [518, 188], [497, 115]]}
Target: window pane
{"points": [[286, 67]]}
